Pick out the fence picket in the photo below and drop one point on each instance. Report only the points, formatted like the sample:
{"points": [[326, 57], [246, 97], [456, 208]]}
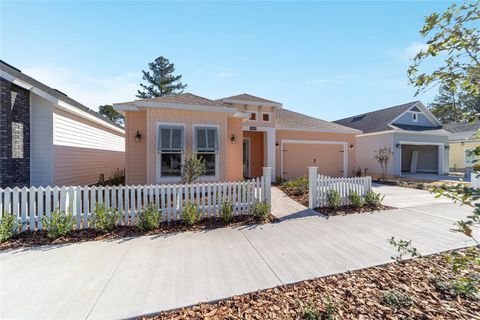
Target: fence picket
{"points": [[32, 192], [23, 208], [344, 186]]}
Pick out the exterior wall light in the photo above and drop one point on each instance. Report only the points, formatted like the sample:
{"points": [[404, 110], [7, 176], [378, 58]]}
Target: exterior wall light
{"points": [[352, 146], [277, 145], [138, 136], [233, 139], [447, 147], [398, 145]]}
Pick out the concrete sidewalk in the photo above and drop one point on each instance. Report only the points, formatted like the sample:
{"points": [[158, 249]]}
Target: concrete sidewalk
{"points": [[120, 279]]}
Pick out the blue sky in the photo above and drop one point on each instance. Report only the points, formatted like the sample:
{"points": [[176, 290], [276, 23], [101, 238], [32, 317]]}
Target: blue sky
{"points": [[325, 59]]}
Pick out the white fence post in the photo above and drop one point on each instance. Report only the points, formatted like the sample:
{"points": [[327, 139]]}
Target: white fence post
{"points": [[312, 184], [267, 184]]}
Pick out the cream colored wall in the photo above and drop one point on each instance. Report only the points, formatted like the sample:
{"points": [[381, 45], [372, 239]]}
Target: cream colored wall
{"points": [[234, 151], [259, 110], [457, 154], [136, 152], [189, 118], [323, 136], [83, 150]]}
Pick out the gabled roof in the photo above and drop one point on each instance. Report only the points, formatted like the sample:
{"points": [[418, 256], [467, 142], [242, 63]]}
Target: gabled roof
{"points": [[378, 120], [462, 127], [250, 99], [290, 120], [17, 75], [182, 101], [182, 98]]}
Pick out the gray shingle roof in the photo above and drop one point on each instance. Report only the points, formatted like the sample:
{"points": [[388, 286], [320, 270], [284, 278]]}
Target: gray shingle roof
{"points": [[375, 121], [287, 119], [183, 98], [462, 127], [249, 97], [51, 91]]}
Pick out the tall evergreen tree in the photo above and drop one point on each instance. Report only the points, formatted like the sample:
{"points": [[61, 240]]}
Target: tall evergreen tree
{"points": [[160, 80], [450, 106], [107, 111]]}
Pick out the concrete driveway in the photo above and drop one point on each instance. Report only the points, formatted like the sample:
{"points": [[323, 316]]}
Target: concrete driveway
{"points": [[120, 279]]}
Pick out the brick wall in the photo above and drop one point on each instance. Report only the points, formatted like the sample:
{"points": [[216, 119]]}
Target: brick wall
{"points": [[14, 135]]}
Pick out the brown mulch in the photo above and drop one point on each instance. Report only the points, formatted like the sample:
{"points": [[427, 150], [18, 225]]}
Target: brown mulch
{"points": [[302, 199], [344, 210], [39, 238], [353, 295]]}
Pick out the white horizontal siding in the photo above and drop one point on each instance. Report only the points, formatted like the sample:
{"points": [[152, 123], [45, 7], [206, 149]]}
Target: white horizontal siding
{"points": [[73, 133]]}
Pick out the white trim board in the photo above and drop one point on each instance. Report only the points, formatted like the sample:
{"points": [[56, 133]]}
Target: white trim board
{"points": [[252, 103], [343, 143]]}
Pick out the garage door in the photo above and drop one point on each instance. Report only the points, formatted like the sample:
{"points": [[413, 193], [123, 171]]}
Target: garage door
{"points": [[297, 157], [425, 160]]}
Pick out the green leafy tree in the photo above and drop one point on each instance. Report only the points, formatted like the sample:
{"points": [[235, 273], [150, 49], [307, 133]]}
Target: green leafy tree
{"points": [[192, 169], [107, 111], [160, 80], [453, 50], [383, 156]]}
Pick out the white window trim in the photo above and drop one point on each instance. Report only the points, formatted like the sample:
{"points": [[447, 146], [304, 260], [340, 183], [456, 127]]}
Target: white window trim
{"points": [[415, 116], [217, 155], [256, 116], [158, 162], [269, 117]]}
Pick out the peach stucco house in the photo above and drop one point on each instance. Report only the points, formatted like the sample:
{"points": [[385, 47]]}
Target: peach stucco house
{"points": [[237, 136]]}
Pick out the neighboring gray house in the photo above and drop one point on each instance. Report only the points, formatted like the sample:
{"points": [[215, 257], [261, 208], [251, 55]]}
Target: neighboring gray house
{"points": [[415, 136]]}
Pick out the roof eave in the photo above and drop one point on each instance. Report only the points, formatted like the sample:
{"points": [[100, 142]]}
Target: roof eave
{"points": [[253, 103]]}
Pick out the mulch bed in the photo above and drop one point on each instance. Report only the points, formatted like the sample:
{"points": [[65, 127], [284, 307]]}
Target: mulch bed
{"points": [[302, 199], [39, 238], [344, 210], [352, 295]]}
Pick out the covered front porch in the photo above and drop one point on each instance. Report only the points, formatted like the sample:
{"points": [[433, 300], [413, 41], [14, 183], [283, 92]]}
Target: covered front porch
{"points": [[258, 151]]}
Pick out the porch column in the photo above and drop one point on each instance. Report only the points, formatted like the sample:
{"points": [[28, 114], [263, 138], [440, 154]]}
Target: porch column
{"points": [[270, 147]]}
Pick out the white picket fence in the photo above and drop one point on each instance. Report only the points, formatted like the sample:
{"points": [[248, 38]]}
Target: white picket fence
{"points": [[320, 186], [30, 205]]}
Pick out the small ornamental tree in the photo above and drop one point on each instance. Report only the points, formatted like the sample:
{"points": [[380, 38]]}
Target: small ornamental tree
{"points": [[192, 169], [383, 156]]}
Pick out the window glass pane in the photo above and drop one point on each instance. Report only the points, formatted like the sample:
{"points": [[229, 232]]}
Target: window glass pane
{"points": [[209, 159], [201, 139], [253, 116], [171, 165], [165, 133], [212, 139], [266, 117], [177, 139]]}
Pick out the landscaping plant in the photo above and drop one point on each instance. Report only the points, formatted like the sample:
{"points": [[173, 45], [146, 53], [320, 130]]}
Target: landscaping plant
{"points": [[403, 248], [403, 184], [149, 218], [192, 169], [383, 156], [261, 210], [58, 224], [357, 172], [420, 186], [373, 199], [333, 199], [397, 299], [103, 218], [297, 187], [189, 213], [355, 199], [8, 226], [226, 211]]}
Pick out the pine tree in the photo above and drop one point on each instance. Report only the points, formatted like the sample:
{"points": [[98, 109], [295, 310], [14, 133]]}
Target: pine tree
{"points": [[160, 80], [446, 106], [110, 113]]}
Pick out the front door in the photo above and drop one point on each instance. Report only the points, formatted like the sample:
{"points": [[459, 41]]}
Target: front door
{"points": [[246, 158]]}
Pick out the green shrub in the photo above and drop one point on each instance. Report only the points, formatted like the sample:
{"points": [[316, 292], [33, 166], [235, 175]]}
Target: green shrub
{"points": [[373, 199], [420, 185], [311, 313], [333, 199], [8, 226], [355, 199], [403, 184], [397, 299], [357, 172], [227, 211], [189, 213], [104, 219], [58, 224], [149, 219], [192, 169], [297, 187], [403, 247], [261, 210]]}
